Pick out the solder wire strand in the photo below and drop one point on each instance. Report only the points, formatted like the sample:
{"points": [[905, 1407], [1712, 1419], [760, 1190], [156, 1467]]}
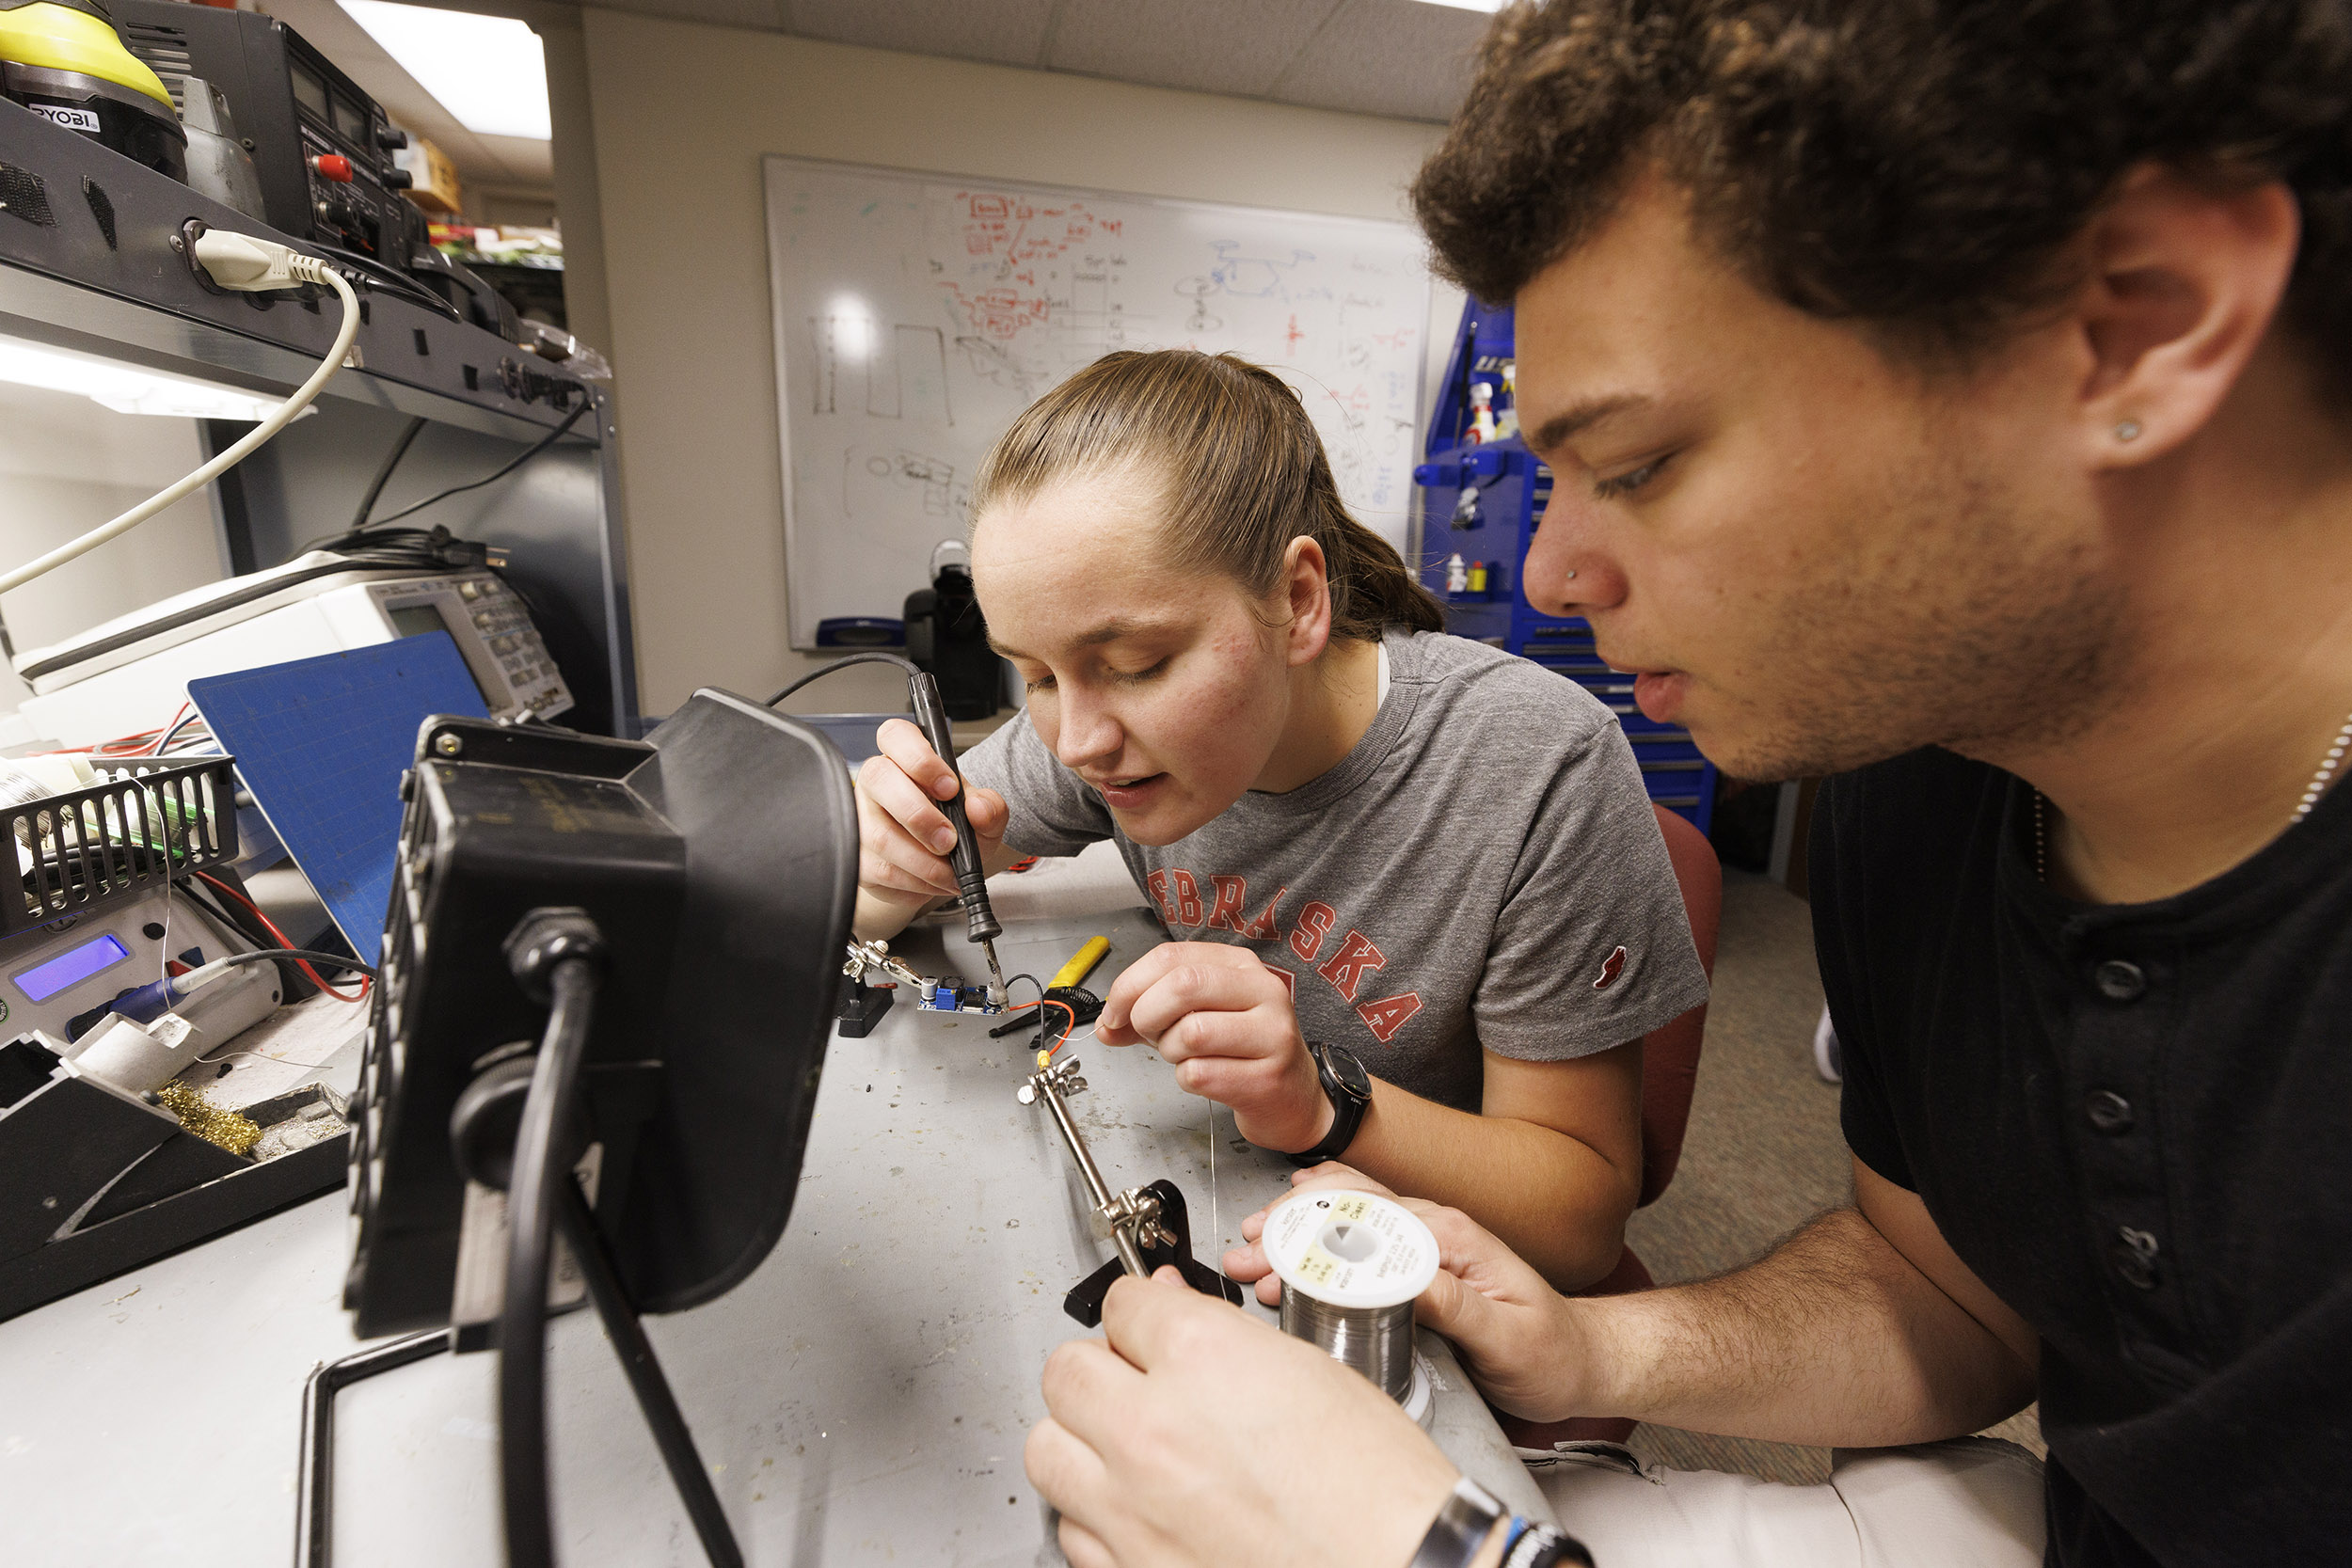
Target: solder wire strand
{"points": [[1378, 1341], [1216, 1227]]}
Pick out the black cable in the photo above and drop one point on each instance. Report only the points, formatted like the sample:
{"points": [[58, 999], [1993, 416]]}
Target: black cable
{"points": [[543, 444], [312, 954], [653, 1398], [1040, 1002], [384, 275], [425, 548], [908, 665], [191, 716], [400, 449], [531, 1201], [194, 890]]}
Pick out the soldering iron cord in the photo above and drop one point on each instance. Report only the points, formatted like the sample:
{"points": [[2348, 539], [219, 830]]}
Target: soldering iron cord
{"points": [[823, 670]]}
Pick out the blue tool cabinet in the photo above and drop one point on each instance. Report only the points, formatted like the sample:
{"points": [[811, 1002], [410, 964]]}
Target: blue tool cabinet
{"points": [[1511, 489]]}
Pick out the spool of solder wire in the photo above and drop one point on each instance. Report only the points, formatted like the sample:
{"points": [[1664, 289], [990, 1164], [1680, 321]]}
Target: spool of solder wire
{"points": [[1351, 1266]]}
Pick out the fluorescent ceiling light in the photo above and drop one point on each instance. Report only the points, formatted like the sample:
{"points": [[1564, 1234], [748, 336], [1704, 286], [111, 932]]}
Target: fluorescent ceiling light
{"points": [[488, 72], [128, 388], [1468, 5]]}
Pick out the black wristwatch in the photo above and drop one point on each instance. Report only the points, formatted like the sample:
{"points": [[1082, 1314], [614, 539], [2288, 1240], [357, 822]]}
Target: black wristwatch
{"points": [[1349, 1088]]}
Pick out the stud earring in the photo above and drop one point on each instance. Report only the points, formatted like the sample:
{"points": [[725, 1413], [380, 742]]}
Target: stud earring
{"points": [[2127, 431]]}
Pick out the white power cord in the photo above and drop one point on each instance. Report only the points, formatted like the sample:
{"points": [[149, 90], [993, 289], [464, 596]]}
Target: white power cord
{"points": [[241, 262]]}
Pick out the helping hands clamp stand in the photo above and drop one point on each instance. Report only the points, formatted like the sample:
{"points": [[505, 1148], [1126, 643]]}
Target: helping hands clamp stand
{"points": [[1150, 1224]]}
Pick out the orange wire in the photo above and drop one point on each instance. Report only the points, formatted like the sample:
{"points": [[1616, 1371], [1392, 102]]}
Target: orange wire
{"points": [[284, 941], [1067, 1012]]}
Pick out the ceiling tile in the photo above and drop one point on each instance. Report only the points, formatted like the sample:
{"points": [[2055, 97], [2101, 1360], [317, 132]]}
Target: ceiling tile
{"points": [[1387, 57], [1229, 46], [759, 15], [1002, 32]]}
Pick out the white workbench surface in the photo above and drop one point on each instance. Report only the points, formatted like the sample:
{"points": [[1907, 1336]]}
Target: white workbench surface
{"points": [[861, 1398]]}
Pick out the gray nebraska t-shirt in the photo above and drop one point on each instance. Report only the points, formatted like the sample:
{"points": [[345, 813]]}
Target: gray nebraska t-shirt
{"points": [[1483, 869]]}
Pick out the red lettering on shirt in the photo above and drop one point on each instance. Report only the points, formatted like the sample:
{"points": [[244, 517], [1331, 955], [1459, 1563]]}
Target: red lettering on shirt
{"points": [[1346, 966], [1156, 884], [1226, 913], [1289, 981], [1385, 1017], [1315, 924], [1187, 898], [1262, 928]]}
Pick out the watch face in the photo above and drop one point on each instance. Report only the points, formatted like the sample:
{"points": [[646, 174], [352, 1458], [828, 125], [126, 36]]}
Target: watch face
{"points": [[1349, 1072]]}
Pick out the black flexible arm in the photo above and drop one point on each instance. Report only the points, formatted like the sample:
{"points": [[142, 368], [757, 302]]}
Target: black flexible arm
{"points": [[531, 1201]]}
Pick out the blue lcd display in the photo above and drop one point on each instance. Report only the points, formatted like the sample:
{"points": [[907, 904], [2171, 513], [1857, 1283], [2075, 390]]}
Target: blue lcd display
{"points": [[46, 980]]}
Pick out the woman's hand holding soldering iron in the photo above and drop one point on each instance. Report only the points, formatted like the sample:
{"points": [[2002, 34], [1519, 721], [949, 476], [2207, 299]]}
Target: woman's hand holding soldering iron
{"points": [[1225, 1021], [904, 838]]}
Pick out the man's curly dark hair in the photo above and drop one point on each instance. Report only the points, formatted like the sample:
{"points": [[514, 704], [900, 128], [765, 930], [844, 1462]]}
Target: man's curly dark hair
{"points": [[1915, 166]]}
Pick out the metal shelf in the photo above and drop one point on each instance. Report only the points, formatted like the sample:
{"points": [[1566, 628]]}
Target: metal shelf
{"points": [[88, 262]]}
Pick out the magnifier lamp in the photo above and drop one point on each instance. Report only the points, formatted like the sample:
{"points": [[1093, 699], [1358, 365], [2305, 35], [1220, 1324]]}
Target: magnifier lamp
{"points": [[607, 987]]}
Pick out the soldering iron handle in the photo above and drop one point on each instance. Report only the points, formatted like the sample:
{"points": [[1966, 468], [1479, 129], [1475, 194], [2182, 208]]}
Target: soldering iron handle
{"points": [[930, 717]]}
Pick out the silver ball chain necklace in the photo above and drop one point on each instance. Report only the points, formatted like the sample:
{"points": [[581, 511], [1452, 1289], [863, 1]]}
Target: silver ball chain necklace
{"points": [[2310, 798]]}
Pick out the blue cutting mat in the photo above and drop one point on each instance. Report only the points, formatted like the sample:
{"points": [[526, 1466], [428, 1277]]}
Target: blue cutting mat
{"points": [[322, 743]]}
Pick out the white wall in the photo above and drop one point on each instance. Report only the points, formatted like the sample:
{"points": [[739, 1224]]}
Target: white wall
{"points": [[67, 465], [682, 115]]}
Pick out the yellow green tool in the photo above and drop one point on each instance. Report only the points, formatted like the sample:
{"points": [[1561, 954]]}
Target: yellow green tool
{"points": [[1081, 964], [63, 59]]}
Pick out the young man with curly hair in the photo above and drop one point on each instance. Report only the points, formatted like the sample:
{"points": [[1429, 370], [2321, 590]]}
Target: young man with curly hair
{"points": [[1955, 396]]}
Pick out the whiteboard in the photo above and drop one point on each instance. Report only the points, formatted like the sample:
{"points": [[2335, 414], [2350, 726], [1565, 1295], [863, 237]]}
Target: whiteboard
{"points": [[915, 314]]}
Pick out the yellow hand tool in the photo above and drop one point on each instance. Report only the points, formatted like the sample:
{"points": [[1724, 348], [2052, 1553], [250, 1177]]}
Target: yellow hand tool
{"points": [[1081, 964]]}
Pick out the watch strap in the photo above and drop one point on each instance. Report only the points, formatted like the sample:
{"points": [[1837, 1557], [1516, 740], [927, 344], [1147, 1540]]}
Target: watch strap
{"points": [[1468, 1517], [1533, 1545], [1347, 1114]]}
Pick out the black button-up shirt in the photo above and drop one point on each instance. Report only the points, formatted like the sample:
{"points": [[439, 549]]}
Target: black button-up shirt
{"points": [[2135, 1123]]}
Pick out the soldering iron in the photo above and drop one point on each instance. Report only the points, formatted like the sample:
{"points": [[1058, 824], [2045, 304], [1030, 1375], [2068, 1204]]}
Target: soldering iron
{"points": [[930, 717]]}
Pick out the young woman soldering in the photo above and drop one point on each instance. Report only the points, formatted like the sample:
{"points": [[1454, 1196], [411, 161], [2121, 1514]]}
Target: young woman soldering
{"points": [[1432, 860]]}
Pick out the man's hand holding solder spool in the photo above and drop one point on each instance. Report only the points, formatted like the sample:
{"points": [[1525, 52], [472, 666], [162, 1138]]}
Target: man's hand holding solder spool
{"points": [[1916, 1348], [1136, 1485]]}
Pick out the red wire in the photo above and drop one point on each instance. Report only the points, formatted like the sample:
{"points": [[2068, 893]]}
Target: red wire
{"points": [[137, 745], [148, 750], [284, 941], [110, 748]]}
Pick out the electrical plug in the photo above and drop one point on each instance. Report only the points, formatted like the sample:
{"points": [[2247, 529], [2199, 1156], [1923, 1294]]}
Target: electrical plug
{"points": [[251, 265]]}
